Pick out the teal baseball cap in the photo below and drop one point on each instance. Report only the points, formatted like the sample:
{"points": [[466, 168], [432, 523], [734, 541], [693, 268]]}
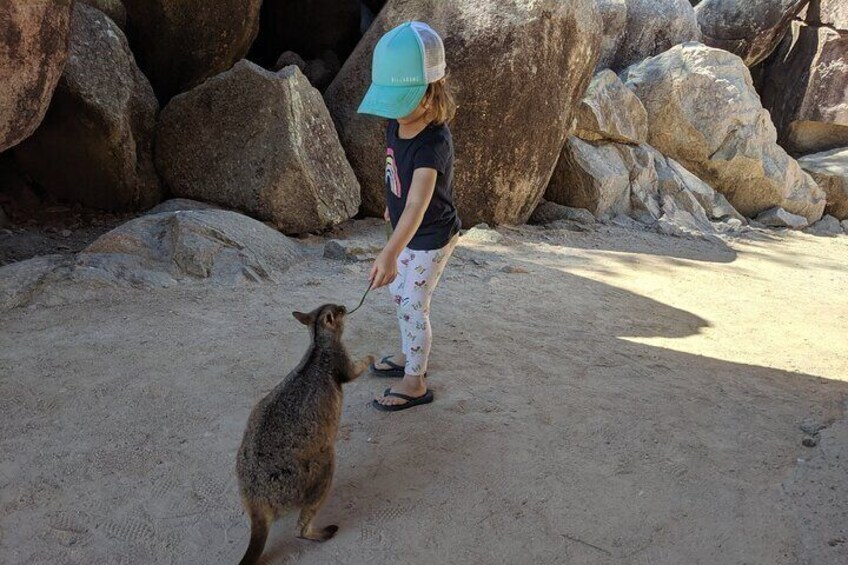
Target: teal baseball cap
{"points": [[406, 60]]}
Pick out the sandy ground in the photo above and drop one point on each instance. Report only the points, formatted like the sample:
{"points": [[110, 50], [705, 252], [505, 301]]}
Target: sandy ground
{"points": [[631, 398]]}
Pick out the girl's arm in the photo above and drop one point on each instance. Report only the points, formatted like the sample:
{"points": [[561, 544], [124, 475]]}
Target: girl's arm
{"points": [[384, 270]]}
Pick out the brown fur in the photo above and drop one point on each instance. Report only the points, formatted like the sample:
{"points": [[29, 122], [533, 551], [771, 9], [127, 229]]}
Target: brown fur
{"points": [[287, 455]]}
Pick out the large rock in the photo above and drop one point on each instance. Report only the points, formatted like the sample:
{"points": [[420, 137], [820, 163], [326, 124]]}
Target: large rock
{"points": [[608, 169], [113, 8], [611, 179], [95, 145], [611, 112], [307, 27], [159, 249], [704, 113], [511, 125], [550, 212], [153, 251], [653, 26], [33, 50], [779, 218], [805, 87], [260, 142], [181, 205], [179, 43], [591, 176], [827, 226], [748, 28], [830, 171], [614, 21], [833, 13]]}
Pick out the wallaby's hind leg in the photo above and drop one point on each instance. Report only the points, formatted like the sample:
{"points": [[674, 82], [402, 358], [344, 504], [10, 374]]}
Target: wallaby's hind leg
{"points": [[305, 528], [260, 521]]}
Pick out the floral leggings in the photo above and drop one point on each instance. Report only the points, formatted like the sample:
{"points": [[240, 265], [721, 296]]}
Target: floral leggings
{"points": [[418, 274]]}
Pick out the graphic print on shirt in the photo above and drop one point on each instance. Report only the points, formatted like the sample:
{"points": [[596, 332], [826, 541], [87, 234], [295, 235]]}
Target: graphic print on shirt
{"points": [[391, 172]]}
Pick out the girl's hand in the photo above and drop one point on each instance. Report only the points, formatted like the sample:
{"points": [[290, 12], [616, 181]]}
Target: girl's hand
{"points": [[386, 215], [384, 269]]}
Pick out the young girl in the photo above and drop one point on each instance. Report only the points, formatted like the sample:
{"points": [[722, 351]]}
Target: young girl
{"points": [[408, 87]]}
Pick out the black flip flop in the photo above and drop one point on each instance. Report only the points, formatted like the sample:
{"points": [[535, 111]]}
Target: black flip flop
{"points": [[394, 370], [411, 401]]}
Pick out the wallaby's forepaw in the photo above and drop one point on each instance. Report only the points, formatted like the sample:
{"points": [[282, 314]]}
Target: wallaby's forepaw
{"points": [[361, 366], [322, 535]]}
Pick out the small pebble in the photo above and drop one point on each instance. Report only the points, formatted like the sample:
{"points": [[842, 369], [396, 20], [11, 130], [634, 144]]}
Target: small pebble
{"points": [[66, 233], [809, 442]]}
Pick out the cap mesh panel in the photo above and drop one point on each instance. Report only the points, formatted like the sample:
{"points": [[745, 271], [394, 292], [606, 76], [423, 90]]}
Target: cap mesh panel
{"points": [[434, 51]]}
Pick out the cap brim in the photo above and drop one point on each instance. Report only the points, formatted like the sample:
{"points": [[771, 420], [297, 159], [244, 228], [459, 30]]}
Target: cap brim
{"points": [[391, 101]]}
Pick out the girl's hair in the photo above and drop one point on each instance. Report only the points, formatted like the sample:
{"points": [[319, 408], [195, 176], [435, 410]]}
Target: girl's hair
{"points": [[439, 101]]}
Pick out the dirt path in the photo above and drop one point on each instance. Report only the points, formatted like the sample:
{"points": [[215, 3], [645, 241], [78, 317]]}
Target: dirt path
{"points": [[631, 398]]}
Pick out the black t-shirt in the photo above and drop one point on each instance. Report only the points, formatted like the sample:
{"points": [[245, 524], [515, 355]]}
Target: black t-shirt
{"points": [[432, 149]]}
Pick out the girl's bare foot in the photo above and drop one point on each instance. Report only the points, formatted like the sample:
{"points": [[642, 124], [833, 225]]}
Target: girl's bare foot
{"points": [[411, 385]]}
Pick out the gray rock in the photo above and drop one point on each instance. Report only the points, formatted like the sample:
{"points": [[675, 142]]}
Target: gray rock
{"points": [[95, 145], [510, 126], [156, 250], [611, 179], [23, 280], [611, 112], [181, 204], [570, 225], [780, 218], [34, 47], [287, 58], [592, 176], [351, 250], [830, 171], [831, 13], [548, 212], [161, 249], [714, 203], [614, 22], [260, 142], [654, 26], [827, 226], [685, 226], [481, 233], [748, 28], [704, 113], [844, 224], [627, 222], [180, 43], [113, 8], [320, 73], [805, 88]]}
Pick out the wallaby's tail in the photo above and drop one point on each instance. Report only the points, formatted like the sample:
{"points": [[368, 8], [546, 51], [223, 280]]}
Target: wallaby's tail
{"points": [[260, 521]]}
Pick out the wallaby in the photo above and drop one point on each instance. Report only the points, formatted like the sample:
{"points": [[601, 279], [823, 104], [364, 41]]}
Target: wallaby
{"points": [[287, 455]]}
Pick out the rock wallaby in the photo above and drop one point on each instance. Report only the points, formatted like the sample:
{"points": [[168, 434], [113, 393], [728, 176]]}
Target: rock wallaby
{"points": [[287, 455]]}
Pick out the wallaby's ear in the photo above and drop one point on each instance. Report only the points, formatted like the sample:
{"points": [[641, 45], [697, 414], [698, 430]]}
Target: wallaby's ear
{"points": [[331, 318], [304, 319]]}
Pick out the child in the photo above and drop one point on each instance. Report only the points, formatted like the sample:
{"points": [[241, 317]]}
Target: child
{"points": [[408, 87]]}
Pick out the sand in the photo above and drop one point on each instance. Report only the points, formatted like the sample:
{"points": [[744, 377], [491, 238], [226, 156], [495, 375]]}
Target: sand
{"points": [[630, 398]]}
